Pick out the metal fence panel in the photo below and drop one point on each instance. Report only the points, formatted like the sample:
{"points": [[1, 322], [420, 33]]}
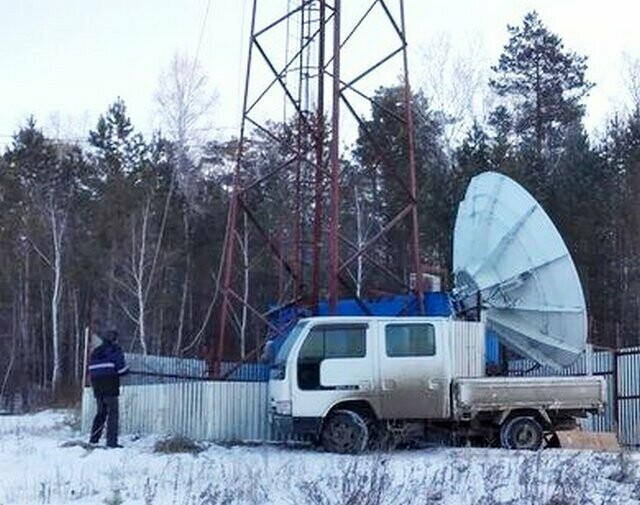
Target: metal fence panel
{"points": [[629, 396], [602, 362], [222, 411], [167, 395], [629, 413], [251, 372], [629, 374]]}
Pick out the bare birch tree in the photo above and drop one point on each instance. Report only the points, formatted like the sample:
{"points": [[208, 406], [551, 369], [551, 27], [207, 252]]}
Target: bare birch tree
{"points": [[360, 240], [57, 222], [185, 286], [454, 79], [137, 273], [631, 77], [243, 244], [185, 102], [144, 255]]}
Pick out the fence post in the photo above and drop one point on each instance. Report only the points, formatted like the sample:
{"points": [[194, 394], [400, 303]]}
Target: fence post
{"points": [[85, 358], [615, 400]]}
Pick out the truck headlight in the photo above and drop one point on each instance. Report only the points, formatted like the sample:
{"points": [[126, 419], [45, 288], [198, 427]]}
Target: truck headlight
{"points": [[283, 408]]}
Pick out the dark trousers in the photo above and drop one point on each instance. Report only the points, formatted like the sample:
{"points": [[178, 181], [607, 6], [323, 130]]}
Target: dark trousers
{"points": [[107, 411]]}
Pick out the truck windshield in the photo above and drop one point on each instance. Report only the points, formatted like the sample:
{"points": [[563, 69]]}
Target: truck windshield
{"points": [[279, 364]]}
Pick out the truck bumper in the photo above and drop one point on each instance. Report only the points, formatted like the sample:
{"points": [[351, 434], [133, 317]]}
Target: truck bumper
{"points": [[289, 426]]}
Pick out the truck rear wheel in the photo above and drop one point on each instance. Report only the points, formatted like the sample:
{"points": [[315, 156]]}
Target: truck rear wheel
{"points": [[345, 432], [521, 433]]}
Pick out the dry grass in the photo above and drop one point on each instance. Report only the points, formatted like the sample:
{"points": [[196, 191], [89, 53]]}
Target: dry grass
{"points": [[177, 444]]}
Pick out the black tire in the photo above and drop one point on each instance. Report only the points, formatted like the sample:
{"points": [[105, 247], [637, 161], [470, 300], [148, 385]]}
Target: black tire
{"points": [[345, 432], [521, 433]]}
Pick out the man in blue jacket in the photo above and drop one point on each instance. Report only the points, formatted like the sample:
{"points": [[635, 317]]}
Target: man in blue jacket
{"points": [[106, 365]]}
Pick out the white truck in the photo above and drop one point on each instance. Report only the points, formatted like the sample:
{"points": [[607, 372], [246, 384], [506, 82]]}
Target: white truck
{"points": [[350, 382]]}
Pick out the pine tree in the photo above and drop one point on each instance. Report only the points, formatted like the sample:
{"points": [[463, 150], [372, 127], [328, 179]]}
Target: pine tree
{"points": [[118, 157], [543, 85], [472, 157]]}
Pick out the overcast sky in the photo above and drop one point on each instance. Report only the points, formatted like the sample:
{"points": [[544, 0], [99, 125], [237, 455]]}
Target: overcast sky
{"points": [[71, 58]]}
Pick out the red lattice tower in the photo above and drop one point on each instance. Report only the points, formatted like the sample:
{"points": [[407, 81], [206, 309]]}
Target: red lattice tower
{"points": [[323, 79]]}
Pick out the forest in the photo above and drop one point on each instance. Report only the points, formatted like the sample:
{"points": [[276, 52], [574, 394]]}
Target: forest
{"points": [[126, 231]]}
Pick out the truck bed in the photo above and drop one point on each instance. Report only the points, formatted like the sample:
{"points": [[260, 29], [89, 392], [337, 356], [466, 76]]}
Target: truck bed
{"points": [[489, 394]]}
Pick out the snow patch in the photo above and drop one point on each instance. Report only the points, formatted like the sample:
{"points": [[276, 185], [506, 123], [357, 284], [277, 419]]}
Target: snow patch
{"points": [[38, 465]]}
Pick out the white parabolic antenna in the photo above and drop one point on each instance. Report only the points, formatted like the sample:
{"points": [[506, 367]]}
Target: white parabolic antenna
{"points": [[509, 258]]}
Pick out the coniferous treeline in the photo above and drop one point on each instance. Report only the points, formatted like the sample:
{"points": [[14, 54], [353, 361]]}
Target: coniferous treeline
{"points": [[127, 232]]}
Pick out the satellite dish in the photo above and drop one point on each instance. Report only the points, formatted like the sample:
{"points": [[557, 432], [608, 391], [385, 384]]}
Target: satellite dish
{"points": [[510, 260]]}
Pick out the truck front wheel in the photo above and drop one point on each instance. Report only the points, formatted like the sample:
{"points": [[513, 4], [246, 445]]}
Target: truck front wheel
{"points": [[345, 432], [521, 433]]}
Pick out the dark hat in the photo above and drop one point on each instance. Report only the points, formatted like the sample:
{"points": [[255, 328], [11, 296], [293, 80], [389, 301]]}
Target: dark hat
{"points": [[109, 335]]}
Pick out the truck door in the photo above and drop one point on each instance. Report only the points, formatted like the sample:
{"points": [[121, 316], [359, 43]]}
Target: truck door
{"points": [[413, 378], [335, 361]]}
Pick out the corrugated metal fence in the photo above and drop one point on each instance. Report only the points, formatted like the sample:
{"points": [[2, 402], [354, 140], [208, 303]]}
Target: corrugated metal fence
{"points": [[627, 369], [167, 395], [207, 410], [174, 396]]}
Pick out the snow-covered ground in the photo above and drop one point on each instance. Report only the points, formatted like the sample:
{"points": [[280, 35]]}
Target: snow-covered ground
{"points": [[38, 467]]}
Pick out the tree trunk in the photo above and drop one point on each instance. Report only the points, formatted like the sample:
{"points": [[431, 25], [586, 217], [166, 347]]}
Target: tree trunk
{"points": [[28, 363], [140, 279], [43, 335], [360, 240], [185, 285], [538, 125], [159, 329], [245, 294], [112, 273], [77, 338], [57, 229], [12, 355]]}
